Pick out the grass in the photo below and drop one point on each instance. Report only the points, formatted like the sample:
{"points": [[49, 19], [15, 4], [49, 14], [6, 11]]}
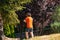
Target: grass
{"points": [[47, 37]]}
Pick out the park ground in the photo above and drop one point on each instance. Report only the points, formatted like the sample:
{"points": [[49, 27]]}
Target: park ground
{"points": [[44, 37]]}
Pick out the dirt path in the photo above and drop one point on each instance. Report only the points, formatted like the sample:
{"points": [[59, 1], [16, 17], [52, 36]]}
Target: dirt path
{"points": [[45, 37], [11, 38]]}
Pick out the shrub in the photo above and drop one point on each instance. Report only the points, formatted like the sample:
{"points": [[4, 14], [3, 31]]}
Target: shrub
{"points": [[9, 30], [56, 27], [56, 17]]}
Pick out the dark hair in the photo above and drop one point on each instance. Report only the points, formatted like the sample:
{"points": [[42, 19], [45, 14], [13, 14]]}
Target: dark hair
{"points": [[28, 14]]}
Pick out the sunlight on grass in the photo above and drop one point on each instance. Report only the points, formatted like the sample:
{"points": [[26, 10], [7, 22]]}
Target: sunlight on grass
{"points": [[47, 37], [44, 37]]}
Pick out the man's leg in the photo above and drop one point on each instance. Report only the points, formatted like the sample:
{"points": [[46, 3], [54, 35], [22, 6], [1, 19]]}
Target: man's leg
{"points": [[31, 33], [27, 35]]}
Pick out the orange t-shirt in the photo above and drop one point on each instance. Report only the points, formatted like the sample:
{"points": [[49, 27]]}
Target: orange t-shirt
{"points": [[29, 22]]}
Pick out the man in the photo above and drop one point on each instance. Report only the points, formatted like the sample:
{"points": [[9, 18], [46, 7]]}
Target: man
{"points": [[29, 25]]}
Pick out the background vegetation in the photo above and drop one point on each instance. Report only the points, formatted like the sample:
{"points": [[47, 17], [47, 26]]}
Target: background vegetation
{"points": [[10, 18], [56, 18], [42, 8]]}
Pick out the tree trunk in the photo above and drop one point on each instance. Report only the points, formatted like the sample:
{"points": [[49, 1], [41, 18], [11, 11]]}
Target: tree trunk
{"points": [[1, 28]]}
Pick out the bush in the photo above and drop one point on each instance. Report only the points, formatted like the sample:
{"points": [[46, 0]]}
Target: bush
{"points": [[56, 17], [9, 30], [56, 27]]}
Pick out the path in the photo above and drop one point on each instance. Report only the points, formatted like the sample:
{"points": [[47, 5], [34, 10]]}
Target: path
{"points": [[45, 37]]}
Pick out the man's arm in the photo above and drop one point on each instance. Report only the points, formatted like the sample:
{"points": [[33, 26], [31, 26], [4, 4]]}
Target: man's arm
{"points": [[25, 20]]}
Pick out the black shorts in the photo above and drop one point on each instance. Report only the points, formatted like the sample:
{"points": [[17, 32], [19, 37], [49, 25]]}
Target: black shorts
{"points": [[29, 30]]}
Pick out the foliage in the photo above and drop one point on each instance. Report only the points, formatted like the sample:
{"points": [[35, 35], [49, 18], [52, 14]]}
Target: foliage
{"points": [[6, 30], [56, 17], [8, 8], [9, 30], [56, 27], [10, 18]]}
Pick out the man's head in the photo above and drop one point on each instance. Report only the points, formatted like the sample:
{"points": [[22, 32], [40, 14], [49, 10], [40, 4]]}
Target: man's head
{"points": [[28, 14]]}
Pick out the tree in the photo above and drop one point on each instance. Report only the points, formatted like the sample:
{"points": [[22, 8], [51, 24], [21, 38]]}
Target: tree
{"points": [[41, 11], [7, 11]]}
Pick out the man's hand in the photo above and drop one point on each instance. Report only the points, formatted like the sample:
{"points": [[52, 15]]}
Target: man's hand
{"points": [[24, 21]]}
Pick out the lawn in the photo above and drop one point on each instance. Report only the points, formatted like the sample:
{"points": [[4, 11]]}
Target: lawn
{"points": [[47, 37]]}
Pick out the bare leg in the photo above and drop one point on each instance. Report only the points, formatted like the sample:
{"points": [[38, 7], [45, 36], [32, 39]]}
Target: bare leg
{"points": [[27, 35], [31, 33]]}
